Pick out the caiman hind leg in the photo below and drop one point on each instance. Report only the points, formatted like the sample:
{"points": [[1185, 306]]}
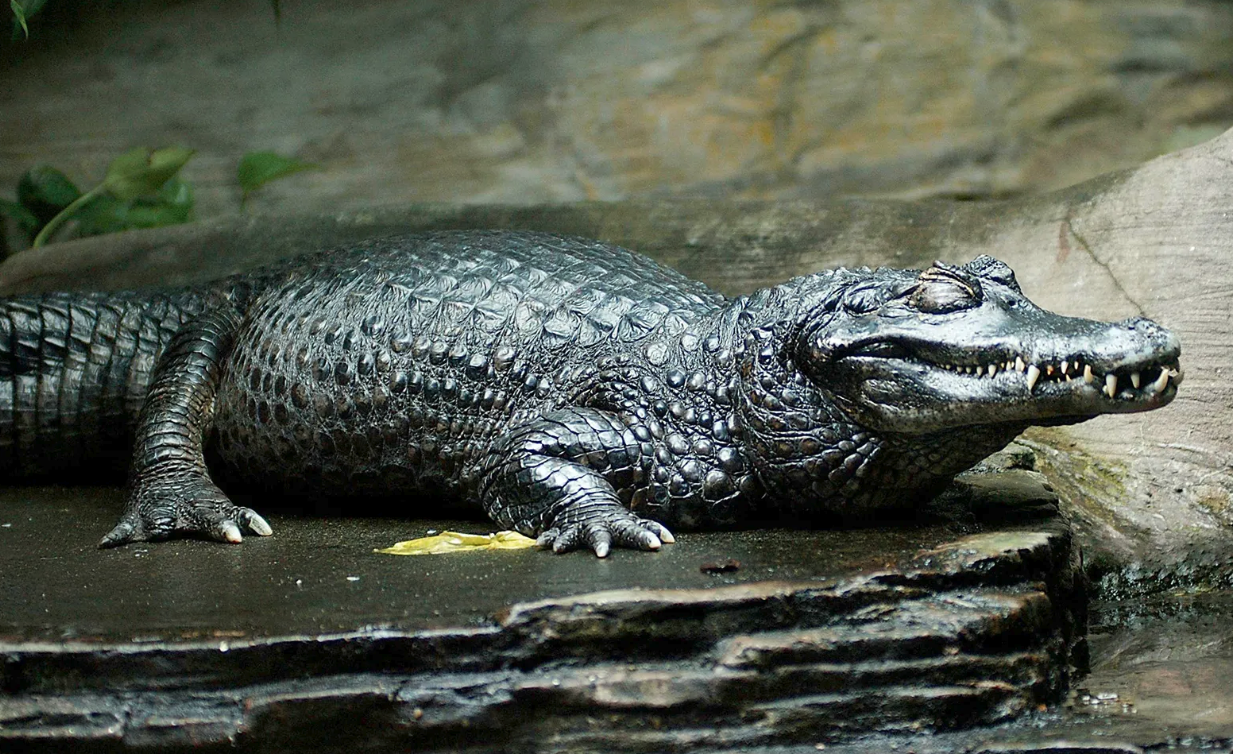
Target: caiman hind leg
{"points": [[557, 478], [170, 492]]}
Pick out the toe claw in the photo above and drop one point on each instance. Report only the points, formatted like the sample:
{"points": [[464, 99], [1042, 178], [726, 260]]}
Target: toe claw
{"points": [[168, 508], [254, 523], [565, 539], [606, 531], [640, 533], [227, 531], [599, 539], [123, 533], [658, 530]]}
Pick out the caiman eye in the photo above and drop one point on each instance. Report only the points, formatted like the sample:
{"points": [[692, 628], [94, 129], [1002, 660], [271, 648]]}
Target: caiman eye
{"points": [[942, 288], [993, 269]]}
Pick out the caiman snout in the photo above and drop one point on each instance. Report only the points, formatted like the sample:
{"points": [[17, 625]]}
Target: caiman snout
{"points": [[1133, 362], [1128, 351], [1161, 338]]}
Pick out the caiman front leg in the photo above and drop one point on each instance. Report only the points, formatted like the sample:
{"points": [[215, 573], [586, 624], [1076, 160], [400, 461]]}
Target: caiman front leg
{"points": [[170, 492], [557, 478]]}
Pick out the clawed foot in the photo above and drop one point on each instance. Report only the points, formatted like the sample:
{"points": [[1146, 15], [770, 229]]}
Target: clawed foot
{"points": [[600, 533], [184, 509]]}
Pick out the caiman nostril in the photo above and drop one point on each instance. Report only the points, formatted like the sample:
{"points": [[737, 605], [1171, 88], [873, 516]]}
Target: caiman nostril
{"points": [[1144, 326]]}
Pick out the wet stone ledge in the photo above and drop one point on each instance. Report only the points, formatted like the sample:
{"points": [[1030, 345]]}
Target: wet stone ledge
{"points": [[968, 615]]}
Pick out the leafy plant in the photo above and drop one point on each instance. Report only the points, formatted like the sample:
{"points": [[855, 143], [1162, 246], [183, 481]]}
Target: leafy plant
{"points": [[134, 194], [259, 168], [46, 191], [170, 205], [23, 218], [142, 189], [22, 11]]}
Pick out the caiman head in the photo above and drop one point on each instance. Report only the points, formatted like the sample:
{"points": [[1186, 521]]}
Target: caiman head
{"points": [[959, 346], [931, 371]]}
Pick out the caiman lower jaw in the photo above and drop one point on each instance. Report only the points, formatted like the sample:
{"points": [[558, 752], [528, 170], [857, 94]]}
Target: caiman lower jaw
{"points": [[1139, 381]]}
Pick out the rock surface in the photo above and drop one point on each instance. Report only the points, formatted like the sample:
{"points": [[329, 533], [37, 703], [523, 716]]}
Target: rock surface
{"points": [[310, 639], [562, 100], [1151, 492]]}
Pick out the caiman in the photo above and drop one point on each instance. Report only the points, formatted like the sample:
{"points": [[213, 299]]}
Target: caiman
{"points": [[572, 390]]}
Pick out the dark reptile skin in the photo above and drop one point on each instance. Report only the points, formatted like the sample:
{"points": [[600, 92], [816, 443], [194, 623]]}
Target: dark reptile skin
{"points": [[74, 370], [434, 364], [555, 382]]}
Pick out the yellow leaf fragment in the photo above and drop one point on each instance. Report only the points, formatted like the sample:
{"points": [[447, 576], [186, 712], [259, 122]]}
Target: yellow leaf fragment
{"points": [[453, 541]]}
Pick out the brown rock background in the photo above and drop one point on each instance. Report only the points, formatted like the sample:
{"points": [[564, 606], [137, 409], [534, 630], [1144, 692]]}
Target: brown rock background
{"points": [[567, 100]]}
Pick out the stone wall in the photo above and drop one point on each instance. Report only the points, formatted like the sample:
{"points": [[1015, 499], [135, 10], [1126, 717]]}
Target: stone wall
{"points": [[565, 100]]}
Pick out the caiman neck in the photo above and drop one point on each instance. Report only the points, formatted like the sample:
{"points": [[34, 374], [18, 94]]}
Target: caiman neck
{"points": [[817, 463]]}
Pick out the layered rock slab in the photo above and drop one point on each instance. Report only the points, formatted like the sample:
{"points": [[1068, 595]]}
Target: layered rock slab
{"points": [[310, 639]]}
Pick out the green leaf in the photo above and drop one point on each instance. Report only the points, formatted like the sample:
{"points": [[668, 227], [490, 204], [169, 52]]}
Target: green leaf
{"points": [[172, 205], [177, 193], [24, 218], [22, 11], [103, 214], [19, 14], [45, 191], [259, 168], [153, 216], [143, 171]]}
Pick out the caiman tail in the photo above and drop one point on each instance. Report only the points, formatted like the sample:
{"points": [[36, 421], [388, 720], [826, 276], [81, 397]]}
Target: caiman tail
{"points": [[74, 368]]}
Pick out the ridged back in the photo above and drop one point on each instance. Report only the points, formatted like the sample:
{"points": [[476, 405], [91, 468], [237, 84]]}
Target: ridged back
{"points": [[74, 368]]}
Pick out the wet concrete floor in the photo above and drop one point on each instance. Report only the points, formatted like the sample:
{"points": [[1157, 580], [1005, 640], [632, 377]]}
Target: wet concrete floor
{"points": [[1161, 669], [320, 575]]}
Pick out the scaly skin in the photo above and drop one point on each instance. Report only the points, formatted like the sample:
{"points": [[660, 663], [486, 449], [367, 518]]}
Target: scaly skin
{"points": [[572, 390]]}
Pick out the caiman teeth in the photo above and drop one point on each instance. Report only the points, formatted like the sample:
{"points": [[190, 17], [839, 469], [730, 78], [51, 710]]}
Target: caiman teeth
{"points": [[1145, 381]]}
